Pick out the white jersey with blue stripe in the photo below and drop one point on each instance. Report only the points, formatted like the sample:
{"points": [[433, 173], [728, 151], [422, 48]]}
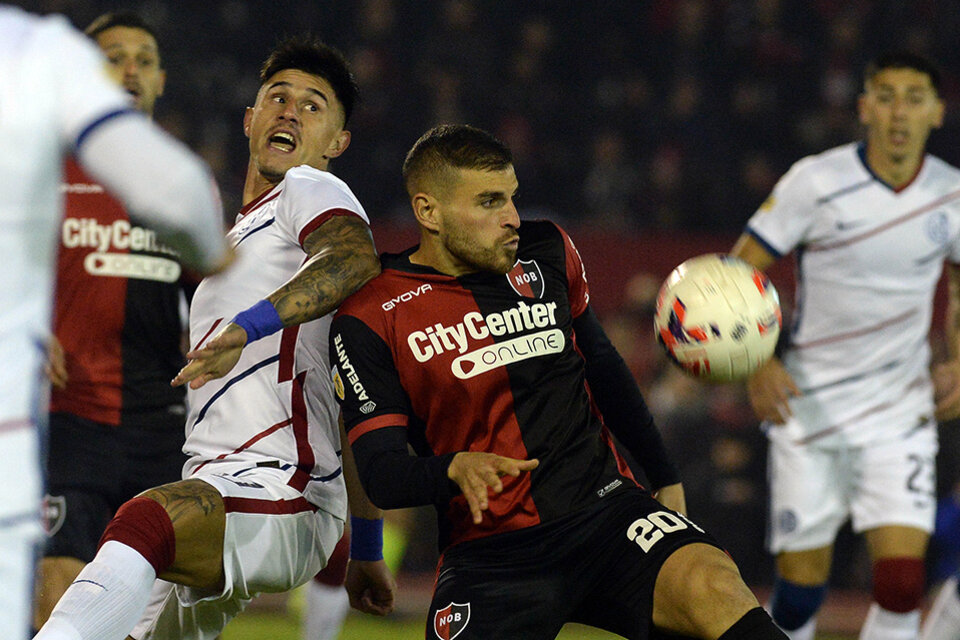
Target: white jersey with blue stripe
{"points": [[277, 403], [868, 261], [54, 88]]}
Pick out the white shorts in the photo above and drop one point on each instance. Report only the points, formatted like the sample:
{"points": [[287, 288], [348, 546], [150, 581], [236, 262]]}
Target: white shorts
{"points": [[814, 490], [274, 540]]}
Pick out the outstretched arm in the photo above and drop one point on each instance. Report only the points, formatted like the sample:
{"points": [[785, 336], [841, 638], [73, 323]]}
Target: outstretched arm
{"points": [[342, 259], [770, 387]]}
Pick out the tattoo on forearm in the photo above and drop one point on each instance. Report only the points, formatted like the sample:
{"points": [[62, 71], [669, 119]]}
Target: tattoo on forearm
{"points": [[342, 260]]}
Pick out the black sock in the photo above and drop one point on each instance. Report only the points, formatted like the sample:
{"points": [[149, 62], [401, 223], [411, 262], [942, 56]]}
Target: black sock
{"points": [[754, 625]]}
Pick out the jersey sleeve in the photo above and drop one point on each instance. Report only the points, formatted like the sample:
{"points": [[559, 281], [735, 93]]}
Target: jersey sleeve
{"points": [[311, 198], [365, 379], [784, 219], [85, 94], [578, 291]]}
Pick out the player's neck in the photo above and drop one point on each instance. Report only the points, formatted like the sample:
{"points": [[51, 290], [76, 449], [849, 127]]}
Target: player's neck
{"points": [[255, 185], [896, 172], [431, 255]]}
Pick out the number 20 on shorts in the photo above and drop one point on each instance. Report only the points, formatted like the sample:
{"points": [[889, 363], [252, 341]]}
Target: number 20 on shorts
{"points": [[647, 531]]}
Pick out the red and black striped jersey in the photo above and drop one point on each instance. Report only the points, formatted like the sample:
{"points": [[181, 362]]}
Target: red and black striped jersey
{"points": [[117, 308], [481, 362]]}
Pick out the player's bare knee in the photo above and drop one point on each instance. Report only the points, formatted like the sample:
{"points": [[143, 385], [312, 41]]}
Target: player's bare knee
{"points": [[700, 592]]}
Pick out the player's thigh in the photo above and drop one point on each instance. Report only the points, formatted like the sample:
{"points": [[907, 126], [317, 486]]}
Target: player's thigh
{"points": [[273, 539], [897, 483], [623, 550], [809, 495]]}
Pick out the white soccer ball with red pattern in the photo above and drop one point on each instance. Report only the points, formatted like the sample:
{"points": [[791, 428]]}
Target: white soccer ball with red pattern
{"points": [[718, 317]]}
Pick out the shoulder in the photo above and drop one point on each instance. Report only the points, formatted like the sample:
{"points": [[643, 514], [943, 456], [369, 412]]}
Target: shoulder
{"points": [[537, 236], [319, 191], [943, 171]]}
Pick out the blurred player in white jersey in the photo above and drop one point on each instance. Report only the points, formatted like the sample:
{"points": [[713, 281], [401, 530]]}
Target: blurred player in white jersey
{"points": [[849, 410], [55, 98], [263, 501]]}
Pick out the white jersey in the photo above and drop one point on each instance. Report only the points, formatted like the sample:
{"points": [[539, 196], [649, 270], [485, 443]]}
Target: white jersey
{"points": [[869, 259], [277, 403], [54, 88]]}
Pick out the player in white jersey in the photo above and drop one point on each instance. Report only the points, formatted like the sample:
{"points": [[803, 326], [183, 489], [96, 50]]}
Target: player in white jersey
{"points": [[56, 97], [849, 411], [263, 501]]}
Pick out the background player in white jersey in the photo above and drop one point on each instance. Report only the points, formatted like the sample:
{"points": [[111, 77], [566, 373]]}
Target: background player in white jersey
{"points": [[849, 411], [56, 97], [263, 503], [116, 402]]}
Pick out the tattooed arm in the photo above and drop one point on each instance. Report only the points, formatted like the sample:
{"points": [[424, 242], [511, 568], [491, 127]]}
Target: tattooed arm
{"points": [[342, 259]]}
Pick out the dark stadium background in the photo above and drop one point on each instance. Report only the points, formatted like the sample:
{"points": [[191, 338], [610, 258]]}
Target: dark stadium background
{"points": [[651, 129]]}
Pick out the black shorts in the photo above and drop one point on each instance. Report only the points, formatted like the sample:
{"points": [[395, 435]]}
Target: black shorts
{"points": [[93, 468], [597, 566]]}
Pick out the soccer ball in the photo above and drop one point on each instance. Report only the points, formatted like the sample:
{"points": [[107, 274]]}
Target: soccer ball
{"points": [[718, 317]]}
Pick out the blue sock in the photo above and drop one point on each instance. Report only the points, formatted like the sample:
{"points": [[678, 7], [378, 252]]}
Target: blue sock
{"points": [[792, 605]]}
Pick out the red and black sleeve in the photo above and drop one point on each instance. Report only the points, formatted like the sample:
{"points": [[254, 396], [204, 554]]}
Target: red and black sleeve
{"points": [[376, 412]]}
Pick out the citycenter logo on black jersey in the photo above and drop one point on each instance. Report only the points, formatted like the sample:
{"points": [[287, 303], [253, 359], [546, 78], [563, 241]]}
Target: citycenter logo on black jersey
{"points": [[439, 338]]}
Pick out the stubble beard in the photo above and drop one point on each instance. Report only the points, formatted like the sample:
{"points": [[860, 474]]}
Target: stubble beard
{"points": [[498, 259]]}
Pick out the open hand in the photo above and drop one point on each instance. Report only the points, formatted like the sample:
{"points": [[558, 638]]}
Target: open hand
{"points": [[215, 359], [770, 389], [476, 471]]}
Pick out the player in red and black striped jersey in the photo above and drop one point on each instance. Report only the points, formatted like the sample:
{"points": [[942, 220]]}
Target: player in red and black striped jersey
{"points": [[479, 349]]}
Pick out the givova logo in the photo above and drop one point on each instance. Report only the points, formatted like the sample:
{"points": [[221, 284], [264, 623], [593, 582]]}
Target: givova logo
{"points": [[451, 620]]}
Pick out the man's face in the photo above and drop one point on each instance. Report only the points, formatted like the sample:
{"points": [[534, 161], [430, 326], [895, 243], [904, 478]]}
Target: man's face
{"points": [[134, 62], [478, 220], [296, 120], [899, 108]]}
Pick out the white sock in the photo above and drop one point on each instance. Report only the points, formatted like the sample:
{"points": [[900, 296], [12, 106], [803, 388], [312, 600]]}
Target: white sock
{"points": [[887, 625], [943, 620], [326, 609], [106, 600]]}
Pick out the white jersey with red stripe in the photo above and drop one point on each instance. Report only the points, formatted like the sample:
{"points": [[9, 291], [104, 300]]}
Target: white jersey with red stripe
{"points": [[868, 261], [277, 403]]}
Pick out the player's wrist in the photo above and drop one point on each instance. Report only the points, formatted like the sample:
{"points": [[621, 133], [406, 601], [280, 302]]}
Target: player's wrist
{"points": [[259, 321], [366, 539]]}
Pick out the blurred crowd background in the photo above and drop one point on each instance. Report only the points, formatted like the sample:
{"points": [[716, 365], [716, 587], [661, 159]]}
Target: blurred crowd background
{"points": [[627, 118]]}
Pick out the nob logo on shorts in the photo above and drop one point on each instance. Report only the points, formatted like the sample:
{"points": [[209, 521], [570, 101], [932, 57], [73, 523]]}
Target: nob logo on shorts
{"points": [[451, 620]]}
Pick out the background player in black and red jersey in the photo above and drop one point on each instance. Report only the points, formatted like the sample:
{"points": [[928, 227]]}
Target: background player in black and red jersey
{"points": [[478, 347], [116, 424]]}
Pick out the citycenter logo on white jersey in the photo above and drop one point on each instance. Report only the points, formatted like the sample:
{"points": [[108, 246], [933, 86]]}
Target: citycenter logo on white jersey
{"points": [[123, 236], [439, 338]]}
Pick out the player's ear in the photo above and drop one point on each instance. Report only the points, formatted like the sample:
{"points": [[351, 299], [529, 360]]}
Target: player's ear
{"points": [[425, 211], [338, 145], [247, 118], [863, 110]]}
